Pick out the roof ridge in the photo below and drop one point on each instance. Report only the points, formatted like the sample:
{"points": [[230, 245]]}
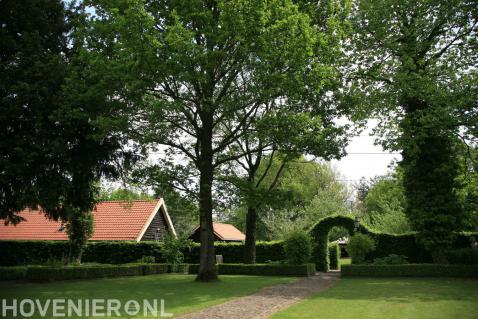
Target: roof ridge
{"points": [[125, 200]]}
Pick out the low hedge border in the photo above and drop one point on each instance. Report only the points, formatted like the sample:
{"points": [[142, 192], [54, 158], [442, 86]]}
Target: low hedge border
{"points": [[13, 273], [410, 270], [305, 270], [47, 273]]}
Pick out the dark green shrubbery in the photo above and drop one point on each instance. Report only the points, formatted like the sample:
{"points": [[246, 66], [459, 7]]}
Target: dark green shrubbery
{"points": [[391, 259], [334, 256], [410, 270], [261, 269], [13, 273], [298, 247], [359, 246], [147, 260], [464, 256]]}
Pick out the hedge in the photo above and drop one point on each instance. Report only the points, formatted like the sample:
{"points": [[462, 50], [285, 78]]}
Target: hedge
{"points": [[15, 253], [334, 256], [13, 273], [463, 256], [305, 270], [386, 244], [409, 270]]}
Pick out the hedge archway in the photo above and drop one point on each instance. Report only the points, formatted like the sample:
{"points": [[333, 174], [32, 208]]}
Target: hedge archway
{"points": [[320, 238]]}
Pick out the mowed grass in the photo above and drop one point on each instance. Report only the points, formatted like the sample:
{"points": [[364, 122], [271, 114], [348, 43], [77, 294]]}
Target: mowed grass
{"points": [[366, 298], [181, 293]]}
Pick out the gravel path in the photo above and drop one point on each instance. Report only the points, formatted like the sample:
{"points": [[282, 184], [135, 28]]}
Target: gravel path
{"points": [[267, 301]]}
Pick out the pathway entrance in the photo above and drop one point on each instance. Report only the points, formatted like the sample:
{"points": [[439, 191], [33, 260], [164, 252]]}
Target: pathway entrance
{"points": [[269, 300]]}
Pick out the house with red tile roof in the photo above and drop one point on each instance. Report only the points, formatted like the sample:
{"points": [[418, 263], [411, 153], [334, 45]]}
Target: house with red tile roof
{"points": [[222, 232], [138, 220]]}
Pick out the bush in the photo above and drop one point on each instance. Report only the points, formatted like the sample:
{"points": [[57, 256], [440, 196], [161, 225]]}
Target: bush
{"points": [[147, 260], [334, 256], [261, 269], [298, 247], [410, 270], [173, 249], [358, 247], [13, 273], [464, 256], [391, 259]]}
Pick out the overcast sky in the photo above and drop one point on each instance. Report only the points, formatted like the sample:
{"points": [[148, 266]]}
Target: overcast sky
{"points": [[365, 159]]}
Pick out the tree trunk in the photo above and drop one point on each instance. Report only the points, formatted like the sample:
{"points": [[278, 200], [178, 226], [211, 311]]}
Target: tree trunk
{"points": [[207, 262], [250, 245]]}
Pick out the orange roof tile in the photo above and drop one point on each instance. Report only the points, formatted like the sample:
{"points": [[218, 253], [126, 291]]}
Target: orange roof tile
{"points": [[228, 232], [114, 220]]}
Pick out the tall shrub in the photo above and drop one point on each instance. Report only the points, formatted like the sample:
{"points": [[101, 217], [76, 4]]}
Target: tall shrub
{"points": [[298, 247]]}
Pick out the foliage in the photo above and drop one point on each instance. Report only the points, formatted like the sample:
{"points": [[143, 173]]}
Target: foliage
{"points": [[298, 247], [423, 88], [262, 269], [410, 270], [122, 194], [359, 246], [147, 260], [391, 259], [199, 73], [306, 192], [173, 249], [463, 256], [334, 256], [390, 222]]}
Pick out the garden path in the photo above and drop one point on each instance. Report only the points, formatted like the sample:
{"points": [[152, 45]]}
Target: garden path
{"points": [[267, 301]]}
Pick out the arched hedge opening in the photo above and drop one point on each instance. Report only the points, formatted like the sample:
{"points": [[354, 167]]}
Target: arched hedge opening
{"points": [[320, 238]]}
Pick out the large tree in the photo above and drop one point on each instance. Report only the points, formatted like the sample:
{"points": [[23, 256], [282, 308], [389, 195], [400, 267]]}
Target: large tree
{"points": [[415, 63], [201, 66], [56, 138]]}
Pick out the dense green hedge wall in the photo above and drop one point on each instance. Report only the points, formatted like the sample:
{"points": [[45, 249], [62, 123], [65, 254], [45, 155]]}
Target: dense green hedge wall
{"points": [[410, 270], [386, 244], [234, 252], [261, 269], [334, 256], [110, 252], [463, 256]]}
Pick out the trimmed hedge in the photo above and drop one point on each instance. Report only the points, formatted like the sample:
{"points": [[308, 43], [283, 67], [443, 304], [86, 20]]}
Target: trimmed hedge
{"points": [[234, 252], [116, 252], [334, 256], [386, 244], [47, 273], [464, 256], [13, 273], [305, 270], [410, 270]]}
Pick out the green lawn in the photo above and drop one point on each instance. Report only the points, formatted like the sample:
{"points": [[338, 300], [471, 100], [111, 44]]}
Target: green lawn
{"points": [[366, 298], [180, 292]]}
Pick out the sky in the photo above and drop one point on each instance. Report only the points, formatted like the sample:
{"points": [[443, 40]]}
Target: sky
{"points": [[364, 159]]}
